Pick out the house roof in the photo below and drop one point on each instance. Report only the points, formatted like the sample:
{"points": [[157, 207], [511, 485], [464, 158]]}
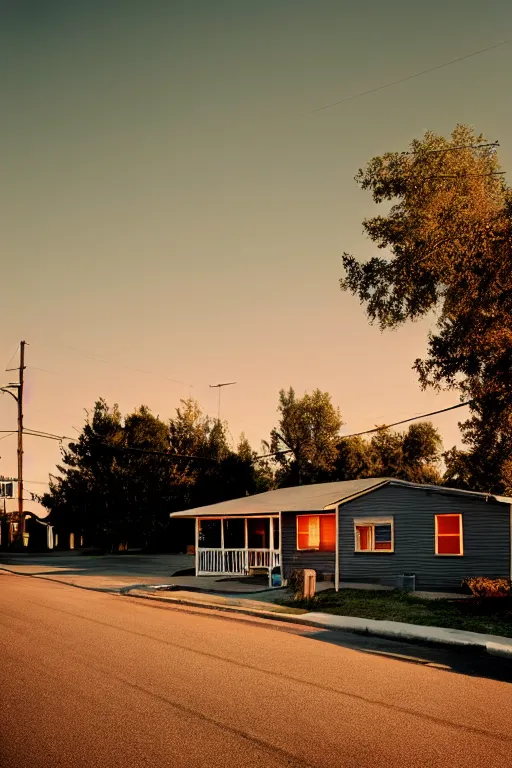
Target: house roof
{"points": [[300, 498], [313, 498]]}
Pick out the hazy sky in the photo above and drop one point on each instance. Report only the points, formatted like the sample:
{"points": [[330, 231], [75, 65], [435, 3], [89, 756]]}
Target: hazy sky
{"points": [[169, 204]]}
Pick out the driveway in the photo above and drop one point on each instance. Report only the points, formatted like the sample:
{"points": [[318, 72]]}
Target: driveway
{"points": [[103, 571]]}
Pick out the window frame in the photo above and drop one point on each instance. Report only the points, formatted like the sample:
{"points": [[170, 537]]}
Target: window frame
{"points": [[313, 549], [448, 535], [373, 521]]}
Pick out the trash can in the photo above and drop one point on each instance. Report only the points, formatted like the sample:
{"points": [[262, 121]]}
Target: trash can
{"points": [[275, 577], [407, 582], [309, 583]]}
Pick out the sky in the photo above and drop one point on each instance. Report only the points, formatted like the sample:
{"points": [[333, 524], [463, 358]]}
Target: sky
{"points": [[173, 213]]}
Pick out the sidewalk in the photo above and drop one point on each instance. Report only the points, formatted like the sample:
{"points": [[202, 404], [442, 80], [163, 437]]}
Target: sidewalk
{"points": [[394, 630], [261, 603]]}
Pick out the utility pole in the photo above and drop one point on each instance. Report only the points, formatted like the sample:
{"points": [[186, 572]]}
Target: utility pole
{"points": [[218, 386], [21, 371], [19, 400]]}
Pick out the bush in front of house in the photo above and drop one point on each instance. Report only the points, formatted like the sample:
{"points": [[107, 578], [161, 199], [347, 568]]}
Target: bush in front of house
{"points": [[296, 583], [482, 587]]}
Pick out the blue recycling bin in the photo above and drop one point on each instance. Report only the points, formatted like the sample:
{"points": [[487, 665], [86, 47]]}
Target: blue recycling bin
{"points": [[276, 577]]}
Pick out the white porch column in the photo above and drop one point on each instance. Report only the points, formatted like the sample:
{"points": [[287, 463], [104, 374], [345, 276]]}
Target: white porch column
{"points": [[337, 551], [281, 547], [271, 549], [197, 545]]}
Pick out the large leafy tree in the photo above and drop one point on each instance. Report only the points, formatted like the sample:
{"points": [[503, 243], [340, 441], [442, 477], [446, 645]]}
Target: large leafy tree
{"points": [[305, 440], [447, 237], [355, 459], [412, 455]]}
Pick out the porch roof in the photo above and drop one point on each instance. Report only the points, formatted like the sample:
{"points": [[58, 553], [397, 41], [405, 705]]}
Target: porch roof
{"points": [[302, 498]]}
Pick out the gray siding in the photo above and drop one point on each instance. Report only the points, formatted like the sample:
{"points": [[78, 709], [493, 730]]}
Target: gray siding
{"points": [[321, 562], [486, 531]]}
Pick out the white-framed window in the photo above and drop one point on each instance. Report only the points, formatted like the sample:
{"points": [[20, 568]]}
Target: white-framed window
{"points": [[449, 535], [316, 532], [374, 535]]}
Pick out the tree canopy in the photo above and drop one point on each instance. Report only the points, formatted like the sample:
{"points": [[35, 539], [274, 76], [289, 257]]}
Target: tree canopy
{"points": [[309, 448], [447, 238], [123, 476], [305, 438]]}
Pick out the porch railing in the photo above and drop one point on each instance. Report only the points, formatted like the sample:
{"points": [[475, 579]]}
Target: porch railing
{"points": [[236, 562]]}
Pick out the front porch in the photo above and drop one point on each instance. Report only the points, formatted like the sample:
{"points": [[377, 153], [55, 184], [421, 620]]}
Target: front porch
{"points": [[237, 546]]}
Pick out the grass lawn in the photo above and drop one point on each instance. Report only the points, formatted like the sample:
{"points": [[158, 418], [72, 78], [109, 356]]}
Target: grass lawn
{"points": [[492, 617]]}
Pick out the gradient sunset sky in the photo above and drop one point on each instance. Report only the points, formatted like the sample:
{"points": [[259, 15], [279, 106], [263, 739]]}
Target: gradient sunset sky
{"points": [[171, 204]]}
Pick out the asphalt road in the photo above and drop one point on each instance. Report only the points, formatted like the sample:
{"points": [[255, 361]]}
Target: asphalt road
{"points": [[100, 680]]}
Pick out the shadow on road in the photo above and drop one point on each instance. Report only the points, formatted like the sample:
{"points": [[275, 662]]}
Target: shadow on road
{"points": [[461, 661]]}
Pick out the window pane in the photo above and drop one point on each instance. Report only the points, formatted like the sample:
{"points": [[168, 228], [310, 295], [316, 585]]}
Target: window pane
{"points": [[383, 545], [382, 534], [448, 524], [234, 533], [448, 545], [308, 531], [364, 535], [302, 532], [209, 534], [314, 531], [328, 533], [303, 525]]}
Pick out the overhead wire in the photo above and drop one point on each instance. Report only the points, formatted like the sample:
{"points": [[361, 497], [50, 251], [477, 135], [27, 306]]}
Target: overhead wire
{"points": [[107, 361], [409, 77], [377, 429], [12, 357]]}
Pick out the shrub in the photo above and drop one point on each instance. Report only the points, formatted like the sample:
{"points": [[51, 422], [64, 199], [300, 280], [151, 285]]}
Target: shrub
{"points": [[481, 586], [296, 583]]}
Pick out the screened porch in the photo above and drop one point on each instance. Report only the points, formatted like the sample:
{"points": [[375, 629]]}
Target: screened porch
{"points": [[237, 546]]}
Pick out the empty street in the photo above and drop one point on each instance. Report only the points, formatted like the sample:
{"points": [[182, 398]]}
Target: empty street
{"points": [[91, 679]]}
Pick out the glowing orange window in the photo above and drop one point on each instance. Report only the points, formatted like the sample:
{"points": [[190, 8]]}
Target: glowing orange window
{"points": [[316, 532], [449, 538]]}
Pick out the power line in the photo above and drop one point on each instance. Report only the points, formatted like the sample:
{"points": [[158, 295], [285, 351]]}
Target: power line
{"points": [[409, 77], [412, 418], [493, 144], [465, 175], [169, 454], [9, 434], [12, 358], [106, 361], [377, 429]]}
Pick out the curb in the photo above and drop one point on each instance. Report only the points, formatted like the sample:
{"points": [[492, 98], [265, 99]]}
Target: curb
{"points": [[286, 617], [351, 624]]}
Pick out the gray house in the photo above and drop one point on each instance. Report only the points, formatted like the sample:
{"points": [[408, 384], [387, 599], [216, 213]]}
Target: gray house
{"points": [[373, 530]]}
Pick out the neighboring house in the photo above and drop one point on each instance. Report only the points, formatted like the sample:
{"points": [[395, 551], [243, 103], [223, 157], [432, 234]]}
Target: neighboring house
{"points": [[41, 533], [373, 531]]}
